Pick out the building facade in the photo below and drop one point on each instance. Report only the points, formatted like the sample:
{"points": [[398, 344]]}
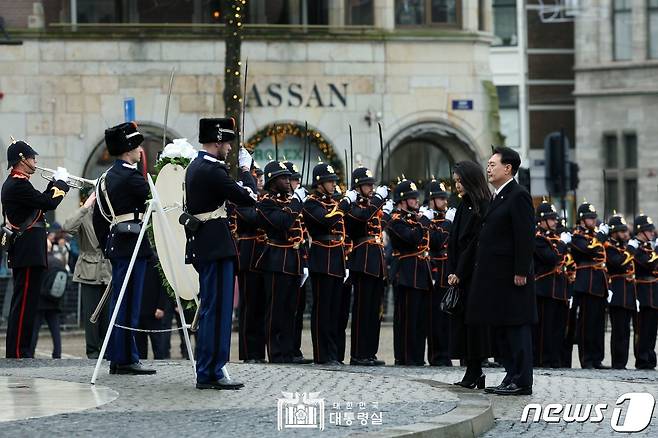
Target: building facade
{"points": [[616, 99], [420, 67]]}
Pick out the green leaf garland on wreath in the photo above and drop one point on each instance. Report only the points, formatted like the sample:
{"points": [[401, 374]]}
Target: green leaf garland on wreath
{"points": [[179, 152]]}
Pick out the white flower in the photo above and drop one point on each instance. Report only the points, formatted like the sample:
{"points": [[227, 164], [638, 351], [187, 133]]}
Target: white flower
{"points": [[172, 150], [180, 148]]}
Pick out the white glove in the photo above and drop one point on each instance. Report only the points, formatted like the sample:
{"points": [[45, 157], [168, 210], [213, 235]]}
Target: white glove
{"points": [[428, 213], [244, 158], [450, 214], [252, 195], [637, 305], [565, 237], [634, 243], [304, 277], [382, 192], [570, 302], [61, 174], [300, 194], [604, 228], [388, 207], [609, 296], [351, 195], [347, 275]]}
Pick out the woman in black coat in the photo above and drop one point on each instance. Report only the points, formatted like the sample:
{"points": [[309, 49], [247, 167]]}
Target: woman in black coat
{"points": [[470, 343]]}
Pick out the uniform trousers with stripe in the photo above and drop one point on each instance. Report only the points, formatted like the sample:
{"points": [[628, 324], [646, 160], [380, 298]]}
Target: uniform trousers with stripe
{"points": [[368, 291], [438, 330], [620, 335], [409, 334], [343, 319], [213, 342], [280, 294], [327, 291], [23, 311], [548, 334], [590, 330], [300, 307], [570, 336], [251, 316], [122, 348], [645, 338]]}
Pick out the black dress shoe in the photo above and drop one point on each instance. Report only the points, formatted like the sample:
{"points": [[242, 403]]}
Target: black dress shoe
{"points": [[251, 361], [133, 368], [587, 366], [492, 389], [362, 362], [472, 384], [600, 366], [301, 360], [376, 362], [514, 389], [222, 384]]}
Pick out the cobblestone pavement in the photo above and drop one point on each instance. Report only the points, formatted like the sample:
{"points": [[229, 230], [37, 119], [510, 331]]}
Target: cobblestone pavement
{"points": [[169, 404], [552, 386]]}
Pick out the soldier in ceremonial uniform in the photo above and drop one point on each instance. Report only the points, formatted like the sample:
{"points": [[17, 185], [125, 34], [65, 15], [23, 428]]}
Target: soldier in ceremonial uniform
{"points": [[438, 326], [410, 273], [550, 259], [646, 277], [23, 208], [210, 246], [300, 299], [121, 198], [569, 339], [281, 261], [621, 279], [591, 287], [323, 216], [367, 266], [250, 239]]}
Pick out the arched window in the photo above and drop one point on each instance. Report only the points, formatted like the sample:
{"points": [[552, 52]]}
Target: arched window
{"points": [[290, 141]]}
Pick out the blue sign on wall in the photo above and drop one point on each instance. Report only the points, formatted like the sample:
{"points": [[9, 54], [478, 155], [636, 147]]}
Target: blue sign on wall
{"points": [[129, 109], [462, 104]]}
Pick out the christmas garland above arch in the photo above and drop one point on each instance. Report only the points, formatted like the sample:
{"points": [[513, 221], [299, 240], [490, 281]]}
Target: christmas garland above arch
{"points": [[285, 129]]}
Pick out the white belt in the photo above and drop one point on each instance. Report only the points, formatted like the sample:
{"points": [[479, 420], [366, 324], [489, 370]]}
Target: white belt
{"points": [[127, 217], [215, 214]]}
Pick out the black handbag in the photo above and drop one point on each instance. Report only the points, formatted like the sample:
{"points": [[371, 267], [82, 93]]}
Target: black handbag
{"points": [[452, 302]]}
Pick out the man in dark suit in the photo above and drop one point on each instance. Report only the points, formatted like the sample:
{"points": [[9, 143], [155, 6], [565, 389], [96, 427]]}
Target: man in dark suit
{"points": [[503, 290]]}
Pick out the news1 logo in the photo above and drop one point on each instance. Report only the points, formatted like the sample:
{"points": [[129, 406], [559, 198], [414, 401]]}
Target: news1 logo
{"points": [[637, 415]]}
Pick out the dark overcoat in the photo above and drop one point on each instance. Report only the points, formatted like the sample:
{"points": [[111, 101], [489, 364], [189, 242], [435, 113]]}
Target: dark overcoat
{"points": [[505, 248]]}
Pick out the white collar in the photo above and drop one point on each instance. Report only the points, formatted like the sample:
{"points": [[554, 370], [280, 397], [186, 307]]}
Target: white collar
{"points": [[130, 166], [209, 157], [500, 189]]}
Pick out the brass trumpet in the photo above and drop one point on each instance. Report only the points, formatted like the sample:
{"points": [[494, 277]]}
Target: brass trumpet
{"points": [[73, 181]]}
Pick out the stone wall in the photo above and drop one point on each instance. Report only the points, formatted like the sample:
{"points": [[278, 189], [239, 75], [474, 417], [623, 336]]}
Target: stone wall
{"points": [[60, 95]]}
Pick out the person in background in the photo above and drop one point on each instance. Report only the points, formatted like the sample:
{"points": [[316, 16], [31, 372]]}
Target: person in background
{"points": [[152, 312], [92, 273], [52, 291]]}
